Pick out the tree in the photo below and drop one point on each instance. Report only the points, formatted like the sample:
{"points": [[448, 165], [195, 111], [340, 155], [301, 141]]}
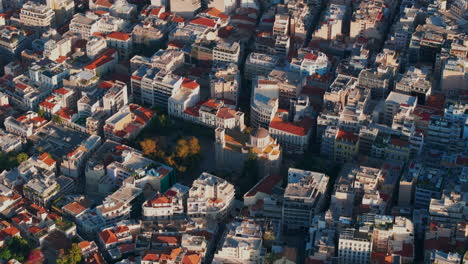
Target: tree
{"points": [[41, 113], [19, 248], [170, 161], [194, 146], [22, 157], [75, 253], [163, 120], [5, 253], [149, 147], [73, 256], [182, 149], [57, 119]]}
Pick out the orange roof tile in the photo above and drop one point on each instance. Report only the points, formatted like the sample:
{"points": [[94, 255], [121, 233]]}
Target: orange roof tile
{"points": [[190, 84], [108, 236], [191, 259], [45, 157], [119, 36], [62, 91], [300, 128], [74, 207], [203, 21], [84, 244], [106, 57]]}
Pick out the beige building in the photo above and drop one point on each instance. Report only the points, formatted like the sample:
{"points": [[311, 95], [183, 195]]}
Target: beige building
{"points": [[185, 8], [37, 16], [63, 9], [233, 148]]}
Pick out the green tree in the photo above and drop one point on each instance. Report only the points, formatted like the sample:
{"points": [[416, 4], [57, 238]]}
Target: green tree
{"points": [[19, 248], [41, 113], [5, 253], [57, 119], [73, 256], [163, 121], [22, 157]]}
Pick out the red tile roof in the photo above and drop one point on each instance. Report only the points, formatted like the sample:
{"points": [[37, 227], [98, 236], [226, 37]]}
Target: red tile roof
{"points": [[225, 113], [106, 57], [45, 157], [66, 113], [62, 91], [346, 135], [84, 244], [190, 84], [160, 200], [399, 142], [265, 185], [74, 207], [300, 128], [191, 259], [119, 36], [121, 229], [104, 3], [108, 237], [216, 13], [165, 239], [203, 21], [47, 105]]}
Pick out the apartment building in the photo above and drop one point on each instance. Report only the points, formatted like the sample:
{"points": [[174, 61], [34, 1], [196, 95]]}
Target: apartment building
{"points": [[304, 197], [169, 205], [185, 8], [83, 25], [12, 42], [122, 42], [415, 82], [73, 163], [210, 197], [37, 16], [309, 62], [225, 82], [378, 81], [242, 243], [264, 102], [127, 122], [24, 125], [354, 246], [331, 25], [259, 64], [397, 102], [95, 46], [63, 9], [225, 52]]}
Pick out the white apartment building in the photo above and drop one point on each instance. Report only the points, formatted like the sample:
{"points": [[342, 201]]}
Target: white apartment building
{"points": [[109, 24], [168, 205], [24, 125], [304, 196], [115, 98], [259, 64], [95, 46], [186, 96], [281, 25], [210, 197], [37, 16], [225, 52], [83, 25], [264, 102], [242, 243], [396, 102], [331, 25], [310, 62], [10, 142], [73, 163], [63, 9], [122, 42], [225, 82], [354, 247]]}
